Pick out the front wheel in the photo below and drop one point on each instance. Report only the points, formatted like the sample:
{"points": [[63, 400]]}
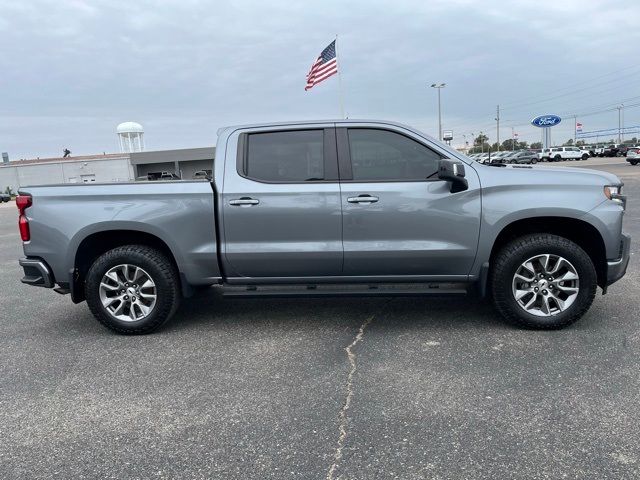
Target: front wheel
{"points": [[585, 156], [133, 289], [543, 281], [534, 160]]}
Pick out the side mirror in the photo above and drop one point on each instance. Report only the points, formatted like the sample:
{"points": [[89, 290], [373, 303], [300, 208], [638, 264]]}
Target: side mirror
{"points": [[453, 171]]}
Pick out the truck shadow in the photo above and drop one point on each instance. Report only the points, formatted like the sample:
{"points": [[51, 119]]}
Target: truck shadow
{"points": [[210, 309]]}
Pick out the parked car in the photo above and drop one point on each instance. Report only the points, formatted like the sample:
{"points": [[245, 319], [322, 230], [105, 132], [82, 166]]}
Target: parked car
{"points": [[483, 158], [155, 176], [622, 150], [544, 155], [586, 152], [568, 153], [331, 208], [509, 156], [598, 150], [524, 156], [4, 197], [499, 157], [203, 174], [633, 155], [612, 150]]}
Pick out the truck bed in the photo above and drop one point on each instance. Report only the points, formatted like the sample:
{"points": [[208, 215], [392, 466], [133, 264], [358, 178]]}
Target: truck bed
{"points": [[179, 213]]}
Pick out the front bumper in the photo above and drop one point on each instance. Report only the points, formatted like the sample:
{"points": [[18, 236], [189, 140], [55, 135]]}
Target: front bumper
{"points": [[617, 268], [36, 273]]}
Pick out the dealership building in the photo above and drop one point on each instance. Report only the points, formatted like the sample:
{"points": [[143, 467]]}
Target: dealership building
{"points": [[105, 168]]}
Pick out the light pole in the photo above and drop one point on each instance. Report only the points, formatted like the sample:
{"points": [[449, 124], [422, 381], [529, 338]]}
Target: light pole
{"points": [[620, 123], [439, 86]]}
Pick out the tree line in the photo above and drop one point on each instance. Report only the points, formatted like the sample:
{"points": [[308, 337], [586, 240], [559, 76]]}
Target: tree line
{"points": [[481, 144]]}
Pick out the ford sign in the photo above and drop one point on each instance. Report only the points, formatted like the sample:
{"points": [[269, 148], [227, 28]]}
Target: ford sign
{"points": [[545, 121]]}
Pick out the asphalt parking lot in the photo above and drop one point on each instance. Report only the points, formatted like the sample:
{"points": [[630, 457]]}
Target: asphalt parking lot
{"points": [[232, 388]]}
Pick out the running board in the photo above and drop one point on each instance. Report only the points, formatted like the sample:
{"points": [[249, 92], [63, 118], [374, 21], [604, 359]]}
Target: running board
{"points": [[348, 290]]}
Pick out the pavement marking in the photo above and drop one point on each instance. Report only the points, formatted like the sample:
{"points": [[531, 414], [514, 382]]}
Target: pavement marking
{"points": [[337, 456]]}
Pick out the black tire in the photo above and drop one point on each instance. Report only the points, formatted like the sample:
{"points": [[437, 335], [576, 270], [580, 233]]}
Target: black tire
{"points": [[557, 158], [633, 162], [534, 161], [585, 156], [512, 255], [160, 269]]}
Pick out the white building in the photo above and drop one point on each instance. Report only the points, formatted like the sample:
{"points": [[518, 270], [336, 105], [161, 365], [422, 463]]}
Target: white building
{"points": [[81, 169], [106, 168]]}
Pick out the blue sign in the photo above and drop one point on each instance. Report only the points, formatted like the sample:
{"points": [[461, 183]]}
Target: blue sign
{"points": [[546, 121]]}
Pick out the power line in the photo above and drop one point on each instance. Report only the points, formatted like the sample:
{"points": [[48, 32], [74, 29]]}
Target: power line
{"points": [[563, 113], [588, 111], [611, 108], [508, 105], [556, 97]]}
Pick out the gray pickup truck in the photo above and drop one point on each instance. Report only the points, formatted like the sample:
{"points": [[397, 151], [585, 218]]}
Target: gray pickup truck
{"points": [[331, 208]]}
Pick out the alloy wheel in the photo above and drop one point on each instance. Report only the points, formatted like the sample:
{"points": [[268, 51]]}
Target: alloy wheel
{"points": [[128, 293], [545, 285]]}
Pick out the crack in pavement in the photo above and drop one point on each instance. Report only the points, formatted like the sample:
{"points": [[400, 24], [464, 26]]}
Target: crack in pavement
{"points": [[337, 456]]}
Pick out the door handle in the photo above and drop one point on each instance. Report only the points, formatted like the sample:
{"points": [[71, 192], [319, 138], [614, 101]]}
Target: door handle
{"points": [[244, 201], [362, 199]]}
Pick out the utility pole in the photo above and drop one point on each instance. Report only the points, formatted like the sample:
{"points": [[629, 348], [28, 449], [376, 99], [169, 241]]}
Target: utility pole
{"points": [[575, 130], [513, 140], [498, 126], [619, 123], [439, 86]]}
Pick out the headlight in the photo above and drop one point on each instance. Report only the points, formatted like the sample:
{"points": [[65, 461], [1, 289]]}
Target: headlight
{"points": [[614, 193], [610, 191]]}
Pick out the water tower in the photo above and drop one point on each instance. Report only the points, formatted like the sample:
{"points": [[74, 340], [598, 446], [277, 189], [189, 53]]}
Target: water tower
{"points": [[131, 137]]}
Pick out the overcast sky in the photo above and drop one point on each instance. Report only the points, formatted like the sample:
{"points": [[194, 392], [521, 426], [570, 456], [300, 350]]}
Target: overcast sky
{"points": [[71, 70]]}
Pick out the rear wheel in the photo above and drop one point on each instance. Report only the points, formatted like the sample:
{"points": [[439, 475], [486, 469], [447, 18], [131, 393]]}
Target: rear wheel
{"points": [[633, 162], [132, 289], [543, 281], [534, 160], [585, 156]]}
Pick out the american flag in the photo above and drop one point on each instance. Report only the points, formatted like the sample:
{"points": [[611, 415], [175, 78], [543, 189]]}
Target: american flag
{"points": [[324, 66]]}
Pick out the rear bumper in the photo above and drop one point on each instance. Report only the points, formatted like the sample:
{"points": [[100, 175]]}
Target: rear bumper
{"points": [[617, 268], [36, 273]]}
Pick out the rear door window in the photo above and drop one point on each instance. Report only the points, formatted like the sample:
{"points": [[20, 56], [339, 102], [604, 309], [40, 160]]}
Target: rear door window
{"points": [[285, 157]]}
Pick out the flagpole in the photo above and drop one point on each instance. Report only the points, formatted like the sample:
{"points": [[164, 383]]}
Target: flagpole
{"points": [[339, 80]]}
